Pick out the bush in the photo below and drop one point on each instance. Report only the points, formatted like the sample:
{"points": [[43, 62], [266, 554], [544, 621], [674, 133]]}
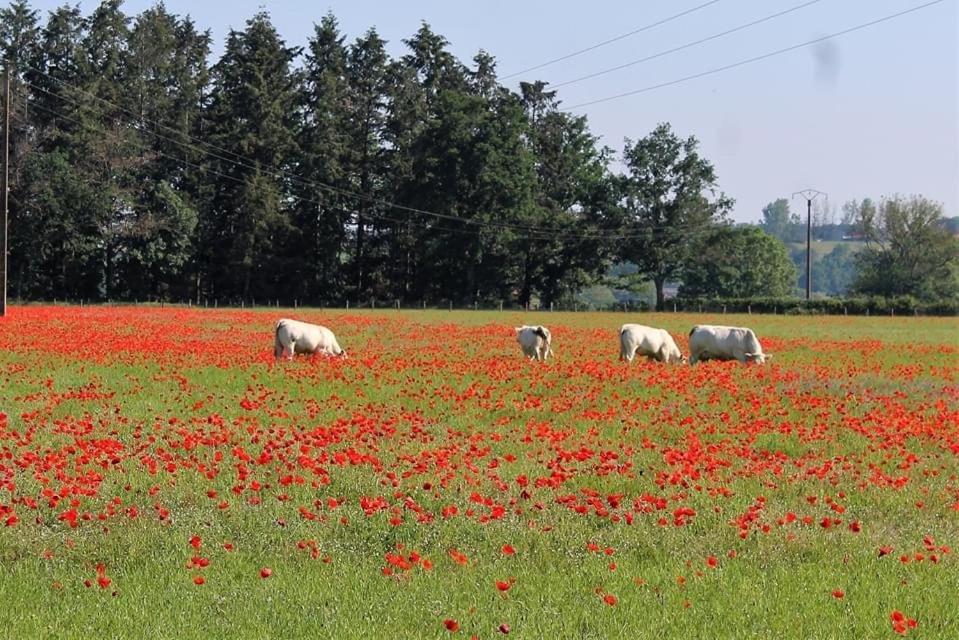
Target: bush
{"points": [[899, 305]]}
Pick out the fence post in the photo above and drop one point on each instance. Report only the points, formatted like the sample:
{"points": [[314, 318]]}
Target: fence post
{"points": [[451, 304], [500, 305], [724, 309], [749, 309], [397, 304], [372, 303], [347, 304], [551, 307], [867, 312], [424, 305], [700, 308], [674, 306]]}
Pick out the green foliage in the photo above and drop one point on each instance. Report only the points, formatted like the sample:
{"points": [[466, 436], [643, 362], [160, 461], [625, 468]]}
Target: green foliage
{"points": [[780, 223], [248, 218], [669, 200], [835, 272], [860, 305], [909, 252], [738, 262]]}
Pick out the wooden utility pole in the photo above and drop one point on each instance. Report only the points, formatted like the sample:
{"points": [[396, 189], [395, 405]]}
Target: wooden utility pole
{"points": [[4, 190], [809, 195]]}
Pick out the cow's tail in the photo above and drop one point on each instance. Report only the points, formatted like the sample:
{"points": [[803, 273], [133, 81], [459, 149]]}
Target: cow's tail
{"points": [[693, 330], [541, 333]]}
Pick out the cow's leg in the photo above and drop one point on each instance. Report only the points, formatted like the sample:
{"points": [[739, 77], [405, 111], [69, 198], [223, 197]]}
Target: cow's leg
{"points": [[292, 350], [277, 348]]}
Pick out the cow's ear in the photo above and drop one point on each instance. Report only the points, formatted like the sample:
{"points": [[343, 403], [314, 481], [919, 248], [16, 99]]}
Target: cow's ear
{"points": [[517, 329], [769, 356]]}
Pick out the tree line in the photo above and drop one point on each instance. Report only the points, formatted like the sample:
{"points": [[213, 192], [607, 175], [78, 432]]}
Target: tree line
{"points": [[143, 169]]}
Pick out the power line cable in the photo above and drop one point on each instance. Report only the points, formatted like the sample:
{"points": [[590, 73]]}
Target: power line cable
{"points": [[688, 45], [612, 40], [755, 58]]}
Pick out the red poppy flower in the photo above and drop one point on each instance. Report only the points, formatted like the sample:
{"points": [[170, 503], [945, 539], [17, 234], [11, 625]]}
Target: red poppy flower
{"points": [[266, 572], [451, 625]]}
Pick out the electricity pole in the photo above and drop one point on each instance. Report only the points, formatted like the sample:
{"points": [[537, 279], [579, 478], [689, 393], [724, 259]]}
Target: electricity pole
{"points": [[809, 195], [4, 189]]}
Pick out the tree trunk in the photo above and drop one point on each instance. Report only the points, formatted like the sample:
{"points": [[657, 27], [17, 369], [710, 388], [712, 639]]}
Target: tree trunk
{"points": [[527, 291], [660, 297]]}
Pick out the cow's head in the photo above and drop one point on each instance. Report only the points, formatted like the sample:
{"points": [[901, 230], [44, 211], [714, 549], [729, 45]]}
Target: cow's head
{"points": [[544, 333], [758, 358]]}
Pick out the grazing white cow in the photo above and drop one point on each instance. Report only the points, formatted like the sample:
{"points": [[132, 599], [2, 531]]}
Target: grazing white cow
{"points": [[655, 344], [302, 337], [714, 342], [535, 341]]}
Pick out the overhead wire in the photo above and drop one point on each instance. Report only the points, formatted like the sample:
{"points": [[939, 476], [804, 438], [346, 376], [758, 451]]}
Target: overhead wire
{"points": [[612, 40], [688, 45], [753, 59]]}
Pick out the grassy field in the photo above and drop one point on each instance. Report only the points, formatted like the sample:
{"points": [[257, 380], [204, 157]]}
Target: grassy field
{"points": [[822, 248], [161, 476]]}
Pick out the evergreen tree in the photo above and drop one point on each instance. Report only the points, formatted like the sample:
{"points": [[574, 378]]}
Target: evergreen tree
{"points": [[247, 225], [167, 71], [573, 197], [367, 76], [322, 215]]}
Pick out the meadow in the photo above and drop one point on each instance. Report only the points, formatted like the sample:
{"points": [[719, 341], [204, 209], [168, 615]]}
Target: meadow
{"points": [[162, 476]]}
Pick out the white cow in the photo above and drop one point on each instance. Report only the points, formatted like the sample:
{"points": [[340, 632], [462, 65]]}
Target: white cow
{"points": [[535, 341], [302, 337], [713, 342], [655, 344]]}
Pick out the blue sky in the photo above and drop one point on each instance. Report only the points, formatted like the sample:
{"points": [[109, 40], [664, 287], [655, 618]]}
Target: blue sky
{"points": [[869, 114]]}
